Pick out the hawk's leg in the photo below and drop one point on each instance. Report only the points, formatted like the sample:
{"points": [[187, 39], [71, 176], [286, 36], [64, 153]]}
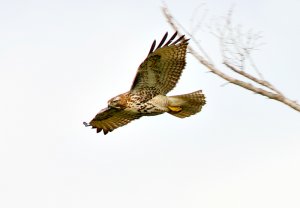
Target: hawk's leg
{"points": [[175, 108]]}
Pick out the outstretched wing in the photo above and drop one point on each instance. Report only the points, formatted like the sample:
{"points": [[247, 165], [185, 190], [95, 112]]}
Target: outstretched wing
{"points": [[163, 66], [109, 119]]}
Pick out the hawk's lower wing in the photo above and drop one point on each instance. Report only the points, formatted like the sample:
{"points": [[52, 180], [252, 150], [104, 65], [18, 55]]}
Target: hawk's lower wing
{"points": [[109, 119]]}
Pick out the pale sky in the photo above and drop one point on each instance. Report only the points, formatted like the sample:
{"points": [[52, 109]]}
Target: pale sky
{"points": [[60, 61]]}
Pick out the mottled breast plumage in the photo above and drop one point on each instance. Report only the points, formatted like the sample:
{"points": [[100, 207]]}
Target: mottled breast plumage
{"points": [[155, 77]]}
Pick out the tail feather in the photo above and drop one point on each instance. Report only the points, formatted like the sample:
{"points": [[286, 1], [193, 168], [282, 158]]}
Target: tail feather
{"points": [[190, 104]]}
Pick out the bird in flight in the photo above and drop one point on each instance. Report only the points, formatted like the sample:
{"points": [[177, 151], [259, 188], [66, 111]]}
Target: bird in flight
{"points": [[155, 77]]}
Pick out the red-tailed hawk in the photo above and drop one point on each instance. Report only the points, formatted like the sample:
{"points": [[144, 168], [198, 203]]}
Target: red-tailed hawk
{"points": [[156, 76]]}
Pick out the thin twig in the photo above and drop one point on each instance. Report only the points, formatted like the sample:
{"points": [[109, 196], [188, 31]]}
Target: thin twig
{"points": [[206, 61], [254, 79]]}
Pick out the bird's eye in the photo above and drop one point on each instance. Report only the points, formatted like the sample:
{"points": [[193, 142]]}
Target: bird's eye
{"points": [[114, 102]]}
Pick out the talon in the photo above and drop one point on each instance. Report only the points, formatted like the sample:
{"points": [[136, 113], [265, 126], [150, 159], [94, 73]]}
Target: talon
{"points": [[175, 108]]}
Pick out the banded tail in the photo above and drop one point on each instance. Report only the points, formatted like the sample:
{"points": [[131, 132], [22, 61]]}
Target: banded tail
{"points": [[186, 105]]}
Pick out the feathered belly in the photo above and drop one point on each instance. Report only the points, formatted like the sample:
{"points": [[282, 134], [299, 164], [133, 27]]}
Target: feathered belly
{"points": [[156, 105]]}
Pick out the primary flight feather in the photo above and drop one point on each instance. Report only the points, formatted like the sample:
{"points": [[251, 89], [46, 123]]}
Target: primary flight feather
{"points": [[155, 77]]}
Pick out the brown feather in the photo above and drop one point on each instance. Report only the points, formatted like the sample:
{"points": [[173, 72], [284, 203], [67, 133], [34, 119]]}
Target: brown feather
{"points": [[179, 39], [109, 119], [171, 39], [156, 75], [152, 47], [162, 68], [189, 104], [162, 40]]}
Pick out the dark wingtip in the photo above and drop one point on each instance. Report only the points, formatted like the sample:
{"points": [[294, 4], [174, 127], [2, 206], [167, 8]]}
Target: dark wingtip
{"points": [[161, 44], [178, 40], [171, 39], [99, 130], [105, 131], [162, 40], [152, 47]]}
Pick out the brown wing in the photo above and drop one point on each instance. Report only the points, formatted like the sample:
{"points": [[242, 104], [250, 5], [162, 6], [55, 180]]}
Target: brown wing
{"points": [[109, 119], [163, 66]]}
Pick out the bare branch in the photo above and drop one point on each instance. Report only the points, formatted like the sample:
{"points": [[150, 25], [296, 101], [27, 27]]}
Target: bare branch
{"points": [[254, 79], [174, 24], [236, 48]]}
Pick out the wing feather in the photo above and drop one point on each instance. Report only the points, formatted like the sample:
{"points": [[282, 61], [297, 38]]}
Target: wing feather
{"points": [[109, 119], [178, 40], [162, 40], [163, 67], [171, 39], [152, 47]]}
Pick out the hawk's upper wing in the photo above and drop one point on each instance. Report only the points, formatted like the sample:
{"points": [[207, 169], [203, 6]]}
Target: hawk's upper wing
{"points": [[163, 66], [109, 119]]}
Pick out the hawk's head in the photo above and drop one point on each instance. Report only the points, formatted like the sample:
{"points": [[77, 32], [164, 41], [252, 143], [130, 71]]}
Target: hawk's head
{"points": [[118, 102]]}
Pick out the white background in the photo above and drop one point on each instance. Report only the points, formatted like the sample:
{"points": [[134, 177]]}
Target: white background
{"points": [[60, 61]]}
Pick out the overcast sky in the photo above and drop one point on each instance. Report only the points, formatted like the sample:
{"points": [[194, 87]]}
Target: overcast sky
{"points": [[60, 61]]}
